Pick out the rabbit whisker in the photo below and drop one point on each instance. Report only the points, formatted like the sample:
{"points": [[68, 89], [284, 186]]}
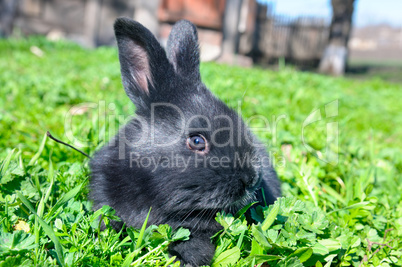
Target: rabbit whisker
{"points": [[198, 215]]}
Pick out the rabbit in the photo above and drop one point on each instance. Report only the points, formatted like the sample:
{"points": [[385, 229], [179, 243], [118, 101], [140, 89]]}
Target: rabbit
{"points": [[166, 156]]}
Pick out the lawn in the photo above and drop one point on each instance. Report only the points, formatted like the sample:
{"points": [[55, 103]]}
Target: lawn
{"points": [[336, 142]]}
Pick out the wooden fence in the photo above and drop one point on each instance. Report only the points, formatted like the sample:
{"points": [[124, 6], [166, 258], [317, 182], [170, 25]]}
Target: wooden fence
{"points": [[300, 41], [260, 34]]}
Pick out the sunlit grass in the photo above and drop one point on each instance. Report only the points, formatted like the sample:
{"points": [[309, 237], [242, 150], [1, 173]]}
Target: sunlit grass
{"points": [[77, 95]]}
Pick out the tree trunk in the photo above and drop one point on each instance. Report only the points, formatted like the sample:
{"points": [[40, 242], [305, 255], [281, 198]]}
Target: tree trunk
{"points": [[8, 10], [333, 61]]}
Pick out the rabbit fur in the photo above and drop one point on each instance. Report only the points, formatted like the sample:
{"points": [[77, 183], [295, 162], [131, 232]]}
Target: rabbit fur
{"points": [[149, 163]]}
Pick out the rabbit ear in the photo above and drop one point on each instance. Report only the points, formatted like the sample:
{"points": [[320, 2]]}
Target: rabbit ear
{"points": [[183, 50], [143, 62]]}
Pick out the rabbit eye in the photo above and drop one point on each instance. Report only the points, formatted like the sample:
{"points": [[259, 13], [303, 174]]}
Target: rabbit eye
{"points": [[197, 143]]}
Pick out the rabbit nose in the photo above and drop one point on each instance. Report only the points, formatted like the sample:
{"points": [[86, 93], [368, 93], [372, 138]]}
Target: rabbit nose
{"points": [[248, 181]]}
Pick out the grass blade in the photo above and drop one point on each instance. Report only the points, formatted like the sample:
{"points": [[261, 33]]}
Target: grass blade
{"points": [[353, 206], [6, 163], [50, 176], [129, 259], [302, 253], [244, 210], [48, 230], [44, 199], [65, 198], [37, 155], [333, 193], [269, 220], [141, 235], [228, 257]]}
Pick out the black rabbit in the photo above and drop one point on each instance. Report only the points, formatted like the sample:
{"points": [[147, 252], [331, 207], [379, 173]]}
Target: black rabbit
{"points": [[185, 153]]}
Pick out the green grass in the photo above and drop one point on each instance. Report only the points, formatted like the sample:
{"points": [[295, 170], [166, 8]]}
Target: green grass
{"points": [[340, 214]]}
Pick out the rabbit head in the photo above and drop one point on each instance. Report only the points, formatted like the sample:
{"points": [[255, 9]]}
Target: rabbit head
{"points": [[185, 153]]}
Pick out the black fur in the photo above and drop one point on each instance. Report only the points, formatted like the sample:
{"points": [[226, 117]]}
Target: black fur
{"points": [[182, 193]]}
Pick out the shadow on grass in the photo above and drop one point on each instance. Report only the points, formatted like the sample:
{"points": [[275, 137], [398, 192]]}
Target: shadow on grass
{"points": [[387, 71]]}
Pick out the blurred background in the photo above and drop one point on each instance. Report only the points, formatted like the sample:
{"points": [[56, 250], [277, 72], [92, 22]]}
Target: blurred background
{"points": [[360, 38]]}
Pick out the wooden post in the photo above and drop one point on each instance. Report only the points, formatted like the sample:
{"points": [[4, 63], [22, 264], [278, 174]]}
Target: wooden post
{"points": [[230, 26], [92, 9]]}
